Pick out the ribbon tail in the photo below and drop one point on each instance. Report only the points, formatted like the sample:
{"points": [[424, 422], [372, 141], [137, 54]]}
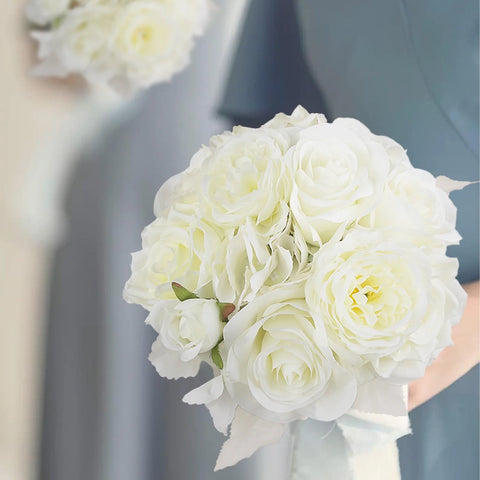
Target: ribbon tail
{"points": [[371, 438], [356, 448], [319, 452], [379, 464], [360, 445]]}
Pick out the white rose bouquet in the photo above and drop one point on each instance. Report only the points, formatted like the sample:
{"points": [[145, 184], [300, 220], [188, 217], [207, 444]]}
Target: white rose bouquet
{"points": [[127, 44], [305, 262]]}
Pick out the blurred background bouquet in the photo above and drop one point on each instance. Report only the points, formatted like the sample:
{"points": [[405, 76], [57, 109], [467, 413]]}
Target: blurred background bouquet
{"points": [[127, 44]]}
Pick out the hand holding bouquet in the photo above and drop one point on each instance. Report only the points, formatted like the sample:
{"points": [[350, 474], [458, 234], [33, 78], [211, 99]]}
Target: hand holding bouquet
{"points": [[309, 269]]}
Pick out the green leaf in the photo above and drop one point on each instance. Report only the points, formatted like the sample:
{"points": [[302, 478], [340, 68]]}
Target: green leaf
{"points": [[182, 293], [216, 357], [225, 310], [57, 22]]}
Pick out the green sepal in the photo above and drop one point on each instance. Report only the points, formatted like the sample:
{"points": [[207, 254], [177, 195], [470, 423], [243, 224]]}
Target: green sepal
{"points": [[182, 293], [216, 357], [225, 310], [56, 22]]}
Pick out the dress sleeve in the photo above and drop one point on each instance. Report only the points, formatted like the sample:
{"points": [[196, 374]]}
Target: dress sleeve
{"points": [[268, 71]]}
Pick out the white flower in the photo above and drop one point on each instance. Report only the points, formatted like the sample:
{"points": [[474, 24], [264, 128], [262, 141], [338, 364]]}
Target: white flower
{"points": [[413, 201], [244, 175], [182, 191], [279, 366], [387, 305], [248, 433], [299, 118], [126, 44], [176, 248], [324, 252], [42, 12], [187, 332], [218, 401], [192, 15], [252, 262], [149, 43], [339, 172], [80, 44]]}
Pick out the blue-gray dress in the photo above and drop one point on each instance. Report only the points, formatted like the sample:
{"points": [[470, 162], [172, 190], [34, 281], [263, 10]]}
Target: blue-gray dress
{"points": [[407, 69]]}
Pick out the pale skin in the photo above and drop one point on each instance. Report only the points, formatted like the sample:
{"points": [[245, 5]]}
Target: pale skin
{"points": [[454, 361]]}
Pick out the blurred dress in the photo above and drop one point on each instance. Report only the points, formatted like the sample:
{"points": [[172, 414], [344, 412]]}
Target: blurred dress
{"points": [[407, 69], [107, 415]]}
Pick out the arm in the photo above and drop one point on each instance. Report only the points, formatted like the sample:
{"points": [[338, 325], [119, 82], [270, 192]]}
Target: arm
{"points": [[456, 360]]}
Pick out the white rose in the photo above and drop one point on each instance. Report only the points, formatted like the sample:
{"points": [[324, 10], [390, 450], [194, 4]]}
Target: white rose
{"points": [[412, 200], [149, 43], [387, 305], [182, 191], [251, 262], [178, 248], [339, 171], [81, 44], [245, 176], [279, 366], [42, 12], [299, 118], [187, 332], [397, 155]]}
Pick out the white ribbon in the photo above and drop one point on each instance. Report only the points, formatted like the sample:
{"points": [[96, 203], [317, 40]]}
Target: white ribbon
{"points": [[358, 446]]}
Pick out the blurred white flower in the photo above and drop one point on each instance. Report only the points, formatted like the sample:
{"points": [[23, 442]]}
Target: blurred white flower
{"points": [[125, 44], [80, 44], [192, 15], [42, 12], [149, 44]]}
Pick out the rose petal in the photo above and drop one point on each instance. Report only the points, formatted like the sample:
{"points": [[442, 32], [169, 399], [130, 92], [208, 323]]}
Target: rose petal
{"points": [[168, 364], [217, 400], [379, 396], [336, 400], [448, 185], [248, 434], [222, 412], [206, 393]]}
